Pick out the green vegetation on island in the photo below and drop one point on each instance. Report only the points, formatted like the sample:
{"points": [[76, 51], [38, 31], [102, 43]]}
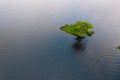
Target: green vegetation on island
{"points": [[118, 47], [79, 28]]}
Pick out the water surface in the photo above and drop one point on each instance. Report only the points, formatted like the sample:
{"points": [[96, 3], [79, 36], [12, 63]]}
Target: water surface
{"points": [[32, 47]]}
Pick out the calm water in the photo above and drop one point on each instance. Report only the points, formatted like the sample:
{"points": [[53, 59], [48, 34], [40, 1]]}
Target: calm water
{"points": [[33, 48]]}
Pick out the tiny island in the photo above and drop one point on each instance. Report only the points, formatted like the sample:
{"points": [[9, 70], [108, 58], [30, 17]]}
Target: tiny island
{"points": [[79, 28]]}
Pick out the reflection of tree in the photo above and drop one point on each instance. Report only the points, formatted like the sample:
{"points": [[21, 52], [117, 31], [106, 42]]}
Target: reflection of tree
{"points": [[79, 44]]}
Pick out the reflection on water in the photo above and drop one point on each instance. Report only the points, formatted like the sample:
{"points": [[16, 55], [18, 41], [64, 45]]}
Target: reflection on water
{"points": [[79, 44]]}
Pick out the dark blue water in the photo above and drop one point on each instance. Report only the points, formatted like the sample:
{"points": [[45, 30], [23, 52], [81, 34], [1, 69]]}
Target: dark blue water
{"points": [[32, 47]]}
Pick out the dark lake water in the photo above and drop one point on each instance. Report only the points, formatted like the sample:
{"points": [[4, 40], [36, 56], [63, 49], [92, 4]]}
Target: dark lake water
{"points": [[32, 47]]}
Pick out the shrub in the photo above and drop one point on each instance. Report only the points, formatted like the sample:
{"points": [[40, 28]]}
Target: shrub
{"points": [[79, 28]]}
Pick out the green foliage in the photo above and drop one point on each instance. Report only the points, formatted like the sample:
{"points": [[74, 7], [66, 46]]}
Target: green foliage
{"points": [[79, 28], [118, 47]]}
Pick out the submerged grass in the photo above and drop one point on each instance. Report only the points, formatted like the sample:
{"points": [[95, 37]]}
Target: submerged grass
{"points": [[79, 28]]}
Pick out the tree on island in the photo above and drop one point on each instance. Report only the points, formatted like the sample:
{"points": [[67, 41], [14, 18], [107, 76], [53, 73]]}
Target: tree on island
{"points": [[79, 29]]}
